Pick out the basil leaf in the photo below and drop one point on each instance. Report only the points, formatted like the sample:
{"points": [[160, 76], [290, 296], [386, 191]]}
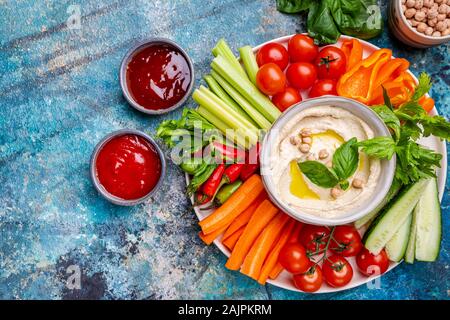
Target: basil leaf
{"points": [[320, 23], [345, 159], [378, 147], [344, 185], [293, 6], [319, 174]]}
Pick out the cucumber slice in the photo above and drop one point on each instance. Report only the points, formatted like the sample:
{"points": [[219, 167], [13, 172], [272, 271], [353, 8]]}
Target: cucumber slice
{"points": [[396, 247], [393, 190], [429, 229], [410, 253], [392, 217]]}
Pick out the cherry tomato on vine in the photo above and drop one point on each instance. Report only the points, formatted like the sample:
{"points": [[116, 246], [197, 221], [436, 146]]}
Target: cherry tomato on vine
{"points": [[309, 281], [302, 48], [369, 264], [301, 75], [323, 87], [273, 52], [346, 241], [293, 258], [331, 63], [337, 271], [314, 238], [270, 79], [286, 98]]}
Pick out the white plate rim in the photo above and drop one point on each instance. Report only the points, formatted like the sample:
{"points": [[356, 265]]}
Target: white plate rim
{"points": [[442, 175]]}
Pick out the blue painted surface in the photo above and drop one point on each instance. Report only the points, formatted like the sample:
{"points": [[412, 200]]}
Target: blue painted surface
{"points": [[60, 94]]}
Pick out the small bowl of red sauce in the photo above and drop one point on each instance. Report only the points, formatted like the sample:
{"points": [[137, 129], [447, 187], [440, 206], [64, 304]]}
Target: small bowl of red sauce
{"points": [[127, 167], [156, 76]]}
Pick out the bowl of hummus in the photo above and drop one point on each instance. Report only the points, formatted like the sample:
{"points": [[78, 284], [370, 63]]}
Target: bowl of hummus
{"points": [[312, 167]]}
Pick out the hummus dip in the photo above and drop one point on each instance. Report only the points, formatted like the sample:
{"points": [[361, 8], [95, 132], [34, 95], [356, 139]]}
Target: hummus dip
{"points": [[315, 134]]}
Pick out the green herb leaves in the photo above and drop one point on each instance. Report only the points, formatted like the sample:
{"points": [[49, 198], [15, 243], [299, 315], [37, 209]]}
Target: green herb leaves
{"points": [[345, 162], [379, 147]]}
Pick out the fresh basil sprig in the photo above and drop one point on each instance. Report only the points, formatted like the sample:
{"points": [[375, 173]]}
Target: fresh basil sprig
{"points": [[344, 164]]}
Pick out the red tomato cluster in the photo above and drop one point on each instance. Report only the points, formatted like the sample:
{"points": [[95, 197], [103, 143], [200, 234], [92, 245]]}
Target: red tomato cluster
{"points": [[319, 243], [309, 68]]}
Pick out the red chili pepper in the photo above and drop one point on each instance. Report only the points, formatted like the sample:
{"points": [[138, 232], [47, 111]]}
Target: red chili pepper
{"points": [[230, 153], [248, 170], [201, 198], [212, 184], [232, 172]]}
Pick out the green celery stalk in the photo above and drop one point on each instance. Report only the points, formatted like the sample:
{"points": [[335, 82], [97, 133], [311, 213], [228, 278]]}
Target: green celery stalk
{"points": [[219, 124], [250, 64], [218, 91], [262, 122], [246, 88], [222, 49], [234, 120]]}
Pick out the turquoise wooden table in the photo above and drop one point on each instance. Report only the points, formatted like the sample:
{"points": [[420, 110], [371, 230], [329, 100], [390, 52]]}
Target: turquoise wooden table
{"points": [[60, 94]]}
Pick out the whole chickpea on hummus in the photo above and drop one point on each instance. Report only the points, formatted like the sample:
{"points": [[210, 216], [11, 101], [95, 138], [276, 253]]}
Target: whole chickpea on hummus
{"points": [[314, 135]]}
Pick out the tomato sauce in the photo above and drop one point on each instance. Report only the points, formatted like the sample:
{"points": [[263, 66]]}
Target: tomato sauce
{"points": [[128, 166], [158, 76]]}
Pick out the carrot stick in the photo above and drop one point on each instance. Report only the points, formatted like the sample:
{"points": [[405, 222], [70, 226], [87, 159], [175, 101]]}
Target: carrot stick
{"points": [[209, 238], [261, 248], [293, 238], [237, 203], [242, 219], [230, 242], [272, 258], [262, 216]]}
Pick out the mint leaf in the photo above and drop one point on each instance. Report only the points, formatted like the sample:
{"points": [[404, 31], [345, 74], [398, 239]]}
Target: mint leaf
{"points": [[378, 147], [319, 174], [345, 159]]}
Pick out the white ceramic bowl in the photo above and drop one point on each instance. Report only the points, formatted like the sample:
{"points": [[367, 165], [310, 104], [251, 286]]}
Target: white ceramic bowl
{"points": [[268, 160]]}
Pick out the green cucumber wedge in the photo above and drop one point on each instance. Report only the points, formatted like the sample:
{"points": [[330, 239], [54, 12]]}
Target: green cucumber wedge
{"points": [[393, 216], [410, 253], [429, 228], [396, 247]]}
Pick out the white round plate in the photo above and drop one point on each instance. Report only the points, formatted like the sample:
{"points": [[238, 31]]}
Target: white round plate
{"points": [[284, 280]]}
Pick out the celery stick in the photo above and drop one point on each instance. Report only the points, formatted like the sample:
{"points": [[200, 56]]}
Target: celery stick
{"points": [[234, 120], [222, 49], [217, 89], [246, 88], [262, 122], [250, 64], [219, 124]]}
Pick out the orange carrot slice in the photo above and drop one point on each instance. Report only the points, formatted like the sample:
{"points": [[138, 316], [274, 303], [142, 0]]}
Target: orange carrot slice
{"points": [[245, 216], [261, 248], [230, 242], [237, 203], [276, 271], [209, 238], [259, 220], [272, 258]]}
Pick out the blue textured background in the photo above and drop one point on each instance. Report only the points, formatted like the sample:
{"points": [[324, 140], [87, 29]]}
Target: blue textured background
{"points": [[60, 94]]}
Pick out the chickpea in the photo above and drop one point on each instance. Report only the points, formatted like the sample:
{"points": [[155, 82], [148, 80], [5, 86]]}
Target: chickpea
{"points": [[441, 26], [441, 17], [432, 14], [436, 34], [410, 13], [446, 32], [306, 132], [435, 6], [428, 3], [295, 140], [424, 10], [304, 148], [410, 3], [307, 140], [438, 1], [432, 22], [419, 16], [414, 23], [421, 27], [443, 8], [357, 183], [429, 31], [323, 154], [403, 1], [403, 8], [419, 4], [335, 192]]}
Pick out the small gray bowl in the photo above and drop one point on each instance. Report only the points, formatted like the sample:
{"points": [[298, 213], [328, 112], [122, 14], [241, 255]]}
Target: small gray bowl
{"points": [[112, 198], [359, 110], [123, 72]]}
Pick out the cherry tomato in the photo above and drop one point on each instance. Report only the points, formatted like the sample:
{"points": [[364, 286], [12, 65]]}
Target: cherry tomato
{"points": [[301, 75], [293, 258], [331, 63], [273, 52], [311, 280], [314, 238], [302, 48], [286, 98], [346, 241], [270, 79], [337, 271], [369, 263], [323, 87]]}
